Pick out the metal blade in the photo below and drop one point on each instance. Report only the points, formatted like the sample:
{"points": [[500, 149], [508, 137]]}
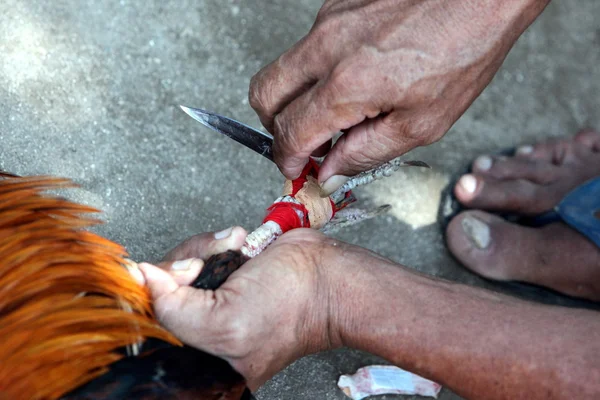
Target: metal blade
{"points": [[254, 139]]}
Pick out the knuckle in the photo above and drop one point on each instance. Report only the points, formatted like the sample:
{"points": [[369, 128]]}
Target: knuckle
{"points": [[262, 94], [329, 30], [288, 61], [256, 95]]}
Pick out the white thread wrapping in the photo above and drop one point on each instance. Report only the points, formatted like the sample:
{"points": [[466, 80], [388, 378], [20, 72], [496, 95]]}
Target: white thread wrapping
{"points": [[259, 239], [264, 235]]}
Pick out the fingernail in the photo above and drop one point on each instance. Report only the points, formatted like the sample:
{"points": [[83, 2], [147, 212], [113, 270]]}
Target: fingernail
{"points": [[332, 184], [185, 265], [477, 231], [525, 150], [468, 183], [483, 163], [135, 272], [223, 234]]}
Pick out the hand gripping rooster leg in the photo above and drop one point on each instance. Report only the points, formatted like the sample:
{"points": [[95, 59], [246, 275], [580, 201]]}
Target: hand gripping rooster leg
{"points": [[166, 372], [181, 372], [175, 372]]}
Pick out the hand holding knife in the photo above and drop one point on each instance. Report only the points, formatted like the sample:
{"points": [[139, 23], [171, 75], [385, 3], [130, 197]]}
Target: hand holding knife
{"points": [[262, 144]]}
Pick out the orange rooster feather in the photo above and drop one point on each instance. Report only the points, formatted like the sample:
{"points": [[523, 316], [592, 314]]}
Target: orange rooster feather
{"points": [[68, 306]]}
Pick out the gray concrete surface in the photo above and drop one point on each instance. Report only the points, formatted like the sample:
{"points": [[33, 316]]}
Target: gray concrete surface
{"points": [[89, 90]]}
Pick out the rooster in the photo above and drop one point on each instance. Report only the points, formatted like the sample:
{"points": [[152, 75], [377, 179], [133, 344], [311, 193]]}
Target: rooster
{"points": [[74, 323]]}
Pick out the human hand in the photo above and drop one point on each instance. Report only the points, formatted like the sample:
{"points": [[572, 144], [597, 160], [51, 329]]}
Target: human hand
{"points": [[272, 311], [392, 75]]}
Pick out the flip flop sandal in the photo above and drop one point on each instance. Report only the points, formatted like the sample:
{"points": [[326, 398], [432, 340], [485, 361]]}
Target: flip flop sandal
{"points": [[580, 209]]}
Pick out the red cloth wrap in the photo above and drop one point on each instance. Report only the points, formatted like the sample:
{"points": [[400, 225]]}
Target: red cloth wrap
{"points": [[291, 215], [311, 169], [288, 215]]}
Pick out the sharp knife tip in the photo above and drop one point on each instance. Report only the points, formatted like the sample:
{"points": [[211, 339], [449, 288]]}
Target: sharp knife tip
{"points": [[186, 109], [198, 114]]}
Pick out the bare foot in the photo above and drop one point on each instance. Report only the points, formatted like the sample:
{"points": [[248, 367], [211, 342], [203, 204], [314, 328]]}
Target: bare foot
{"points": [[530, 183]]}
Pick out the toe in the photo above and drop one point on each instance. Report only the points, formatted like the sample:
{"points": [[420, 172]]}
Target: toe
{"points": [[558, 149], [541, 151], [562, 152], [480, 242], [504, 168], [551, 151], [519, 195], [555, 256]]}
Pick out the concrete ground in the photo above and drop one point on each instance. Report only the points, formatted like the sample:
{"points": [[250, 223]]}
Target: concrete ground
{"points": [[89, 90]]}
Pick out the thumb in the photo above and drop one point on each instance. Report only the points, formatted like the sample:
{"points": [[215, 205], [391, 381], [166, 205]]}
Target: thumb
{"points": [[183, 310], [159, 282], [363, 147]]}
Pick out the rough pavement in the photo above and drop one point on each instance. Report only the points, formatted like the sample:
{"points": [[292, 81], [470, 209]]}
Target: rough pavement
{"points": [[89, 90]]}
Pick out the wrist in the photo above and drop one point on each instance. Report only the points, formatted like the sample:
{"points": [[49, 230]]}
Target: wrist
{"points": [[360, 283], [330, 310]]}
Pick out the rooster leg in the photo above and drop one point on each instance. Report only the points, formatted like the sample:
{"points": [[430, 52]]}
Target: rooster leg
{"points": [[364, 178], [352, 216]]}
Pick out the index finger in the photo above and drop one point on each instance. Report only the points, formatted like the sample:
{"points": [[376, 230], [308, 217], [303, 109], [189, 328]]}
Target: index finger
{"points": [[311, 121]]}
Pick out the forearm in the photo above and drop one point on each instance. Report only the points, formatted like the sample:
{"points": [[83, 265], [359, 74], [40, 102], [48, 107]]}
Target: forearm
{"points": [[478, 343]]}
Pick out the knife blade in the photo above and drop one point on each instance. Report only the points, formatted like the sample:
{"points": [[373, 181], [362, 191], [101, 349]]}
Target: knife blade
{"points": [[254, 139]]}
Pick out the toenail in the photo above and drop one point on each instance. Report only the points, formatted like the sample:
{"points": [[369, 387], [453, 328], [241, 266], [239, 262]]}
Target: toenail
{"points": [[483, 163], [477, 231], [525, 150], [468, 183]]}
